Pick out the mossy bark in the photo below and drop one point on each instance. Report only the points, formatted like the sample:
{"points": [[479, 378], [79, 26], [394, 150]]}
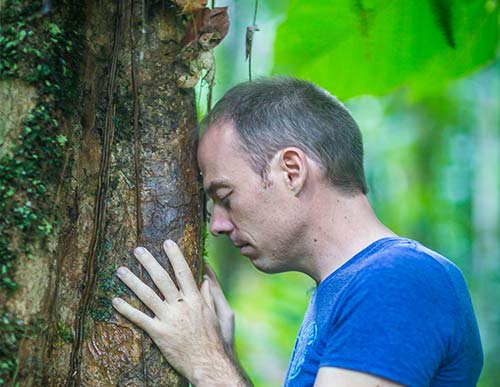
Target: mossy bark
{"points": [[128, 176]]}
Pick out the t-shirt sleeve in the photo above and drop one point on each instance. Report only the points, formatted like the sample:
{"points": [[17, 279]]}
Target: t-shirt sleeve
{"points": [[394, 321]]}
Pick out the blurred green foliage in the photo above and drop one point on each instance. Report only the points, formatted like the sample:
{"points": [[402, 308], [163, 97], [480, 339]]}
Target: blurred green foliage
{"points": [[372, 47], [432, 144]]}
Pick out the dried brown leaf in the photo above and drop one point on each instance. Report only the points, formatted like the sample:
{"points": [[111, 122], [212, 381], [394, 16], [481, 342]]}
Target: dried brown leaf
{"points": [[190, 6], [207, 27], [249, 40]]}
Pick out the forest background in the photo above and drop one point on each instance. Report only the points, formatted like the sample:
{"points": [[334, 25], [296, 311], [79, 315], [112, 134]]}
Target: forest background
{"points": [[98, 137], [422, 79]]}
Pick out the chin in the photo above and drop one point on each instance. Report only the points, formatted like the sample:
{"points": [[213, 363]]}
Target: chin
{"points": [[264, 265]]}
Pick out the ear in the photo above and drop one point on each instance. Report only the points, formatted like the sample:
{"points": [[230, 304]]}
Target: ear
{"points": [[294, 166]]}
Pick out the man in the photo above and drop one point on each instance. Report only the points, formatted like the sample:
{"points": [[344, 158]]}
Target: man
{"points": [[283, 162]]}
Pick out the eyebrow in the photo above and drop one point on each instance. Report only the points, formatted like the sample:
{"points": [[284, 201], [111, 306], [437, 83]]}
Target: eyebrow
{"points": [[215, 185]]}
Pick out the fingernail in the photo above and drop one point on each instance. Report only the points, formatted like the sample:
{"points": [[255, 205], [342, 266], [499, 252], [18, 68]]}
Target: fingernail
{"points": [[206, 277], [168, 243], [139, 250], [121, 271], [116, 301]]}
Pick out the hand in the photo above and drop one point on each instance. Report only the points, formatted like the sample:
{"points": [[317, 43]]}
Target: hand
{"points": [[214, 297], [185, 328]]}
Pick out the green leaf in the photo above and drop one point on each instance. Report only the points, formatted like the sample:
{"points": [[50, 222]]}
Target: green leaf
{"points": [[12, 43], [355, 47], [61, 139], [22, 34], [54, 29]]}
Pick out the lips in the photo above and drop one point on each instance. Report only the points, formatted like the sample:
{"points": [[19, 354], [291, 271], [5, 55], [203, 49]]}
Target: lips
{"points": [[240, 245], [243, 246], [245, 249]]}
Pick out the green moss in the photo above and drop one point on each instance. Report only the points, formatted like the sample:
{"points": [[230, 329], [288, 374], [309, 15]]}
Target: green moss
{"points": [[124, 116], [40, 50], [12, 331], [65, 332], [204, 233], [108, 286]]}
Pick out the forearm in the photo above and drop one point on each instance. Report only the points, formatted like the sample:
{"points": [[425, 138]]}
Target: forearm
{"points": [[221, 371]]}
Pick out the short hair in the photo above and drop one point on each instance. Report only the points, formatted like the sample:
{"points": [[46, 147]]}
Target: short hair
{"points": [[270, 114]]}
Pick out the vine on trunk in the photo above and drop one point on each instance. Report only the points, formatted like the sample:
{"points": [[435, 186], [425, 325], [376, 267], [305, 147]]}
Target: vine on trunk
{"points": [[39, 50]]}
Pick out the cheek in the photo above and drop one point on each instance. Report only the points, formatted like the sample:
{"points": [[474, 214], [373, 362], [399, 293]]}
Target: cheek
{"points": [[260, 209], [249, 212]]}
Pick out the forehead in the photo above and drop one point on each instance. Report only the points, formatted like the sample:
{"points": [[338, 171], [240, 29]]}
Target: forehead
{"points": [[219, 155]]}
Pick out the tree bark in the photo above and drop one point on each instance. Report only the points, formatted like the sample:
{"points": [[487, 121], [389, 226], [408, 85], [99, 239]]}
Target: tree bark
{"points": [[127, 177]]}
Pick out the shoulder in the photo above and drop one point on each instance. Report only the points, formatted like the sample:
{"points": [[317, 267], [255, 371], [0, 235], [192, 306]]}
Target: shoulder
{"points": [[404, 279], [404, 263]]}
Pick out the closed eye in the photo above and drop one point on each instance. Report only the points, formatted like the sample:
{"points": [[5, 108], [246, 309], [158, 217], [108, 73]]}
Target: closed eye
{"points": [[225, 201]]}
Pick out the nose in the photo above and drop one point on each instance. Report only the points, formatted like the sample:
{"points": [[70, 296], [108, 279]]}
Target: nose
{"points": [[220, 223]]}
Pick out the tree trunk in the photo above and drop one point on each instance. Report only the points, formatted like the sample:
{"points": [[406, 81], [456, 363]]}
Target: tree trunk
{"points": [[97, 156]]}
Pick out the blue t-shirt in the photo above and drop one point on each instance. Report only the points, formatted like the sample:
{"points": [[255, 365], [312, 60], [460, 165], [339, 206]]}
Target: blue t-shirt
{"points": [[396, 310]]}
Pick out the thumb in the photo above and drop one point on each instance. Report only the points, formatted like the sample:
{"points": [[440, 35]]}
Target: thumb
{"points": [[222, 307], [207, 294]]}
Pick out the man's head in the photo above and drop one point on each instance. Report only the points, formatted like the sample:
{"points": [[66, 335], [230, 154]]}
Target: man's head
{"points": [[273, 153], [273, 113]]}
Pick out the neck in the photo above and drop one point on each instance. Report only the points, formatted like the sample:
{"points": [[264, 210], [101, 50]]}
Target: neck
{"points": [[335, 234]]}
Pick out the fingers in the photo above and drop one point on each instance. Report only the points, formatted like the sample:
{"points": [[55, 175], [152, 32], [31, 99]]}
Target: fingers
{"points": [[141, 290], [211, 274], [136, 316], [207, 295], [159, 276], [221, 305], [182, 271], [222, 309]]}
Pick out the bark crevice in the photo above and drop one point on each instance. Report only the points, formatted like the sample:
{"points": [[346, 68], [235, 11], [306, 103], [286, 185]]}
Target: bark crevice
{"points": [[99, 209]]}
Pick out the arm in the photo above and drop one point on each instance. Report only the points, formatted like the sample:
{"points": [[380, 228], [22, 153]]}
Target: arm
{"points": [[185, 328], [339, 377]]}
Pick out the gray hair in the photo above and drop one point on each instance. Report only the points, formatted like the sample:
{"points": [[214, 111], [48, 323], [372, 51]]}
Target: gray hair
{"points": [[272, 113]]}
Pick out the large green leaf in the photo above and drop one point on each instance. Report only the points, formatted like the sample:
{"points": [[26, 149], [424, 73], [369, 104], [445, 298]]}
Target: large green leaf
{"points": [[355, 47]]}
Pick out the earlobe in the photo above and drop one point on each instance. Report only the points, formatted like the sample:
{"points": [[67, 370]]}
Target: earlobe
{"points": [[293, 163]]}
